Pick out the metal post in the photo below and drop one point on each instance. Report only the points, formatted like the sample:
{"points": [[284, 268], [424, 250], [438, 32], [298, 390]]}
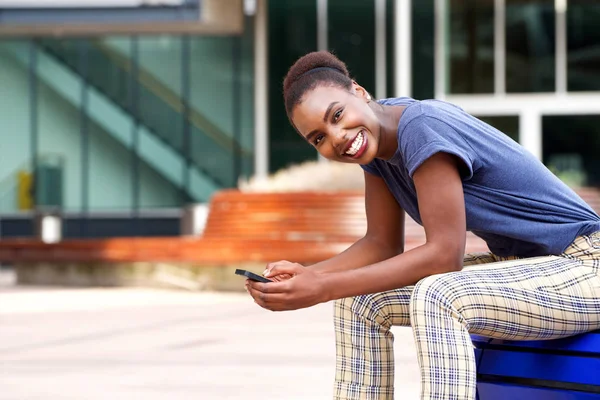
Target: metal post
{"points": [[560, 8], [261, 88], [500, 47], [236, 109], [403, 47], [33, 110], [185, 115], [322, 37], [85, 141], [380, 50], [440, 49], [135, 163], [322, 25]]}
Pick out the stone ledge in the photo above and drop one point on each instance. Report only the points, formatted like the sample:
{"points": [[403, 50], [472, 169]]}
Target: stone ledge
{"points": [[185, 276]]}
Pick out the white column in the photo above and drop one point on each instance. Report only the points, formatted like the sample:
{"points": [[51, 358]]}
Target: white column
{"points": [[380, 50], [261, 87], [560, 8], [322, 26], [530, 131], [440, 49], [322, 36], [500, 47], [403, 48]]}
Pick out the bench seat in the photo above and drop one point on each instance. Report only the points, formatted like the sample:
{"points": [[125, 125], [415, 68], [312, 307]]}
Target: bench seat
{"points": [[561, 369]]}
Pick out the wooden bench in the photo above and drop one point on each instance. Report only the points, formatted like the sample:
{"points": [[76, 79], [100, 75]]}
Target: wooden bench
{"points": [[241, 227], [562, 369]]}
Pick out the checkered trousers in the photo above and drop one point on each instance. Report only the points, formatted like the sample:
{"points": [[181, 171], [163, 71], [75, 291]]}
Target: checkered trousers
{"points": [[521, 299]]}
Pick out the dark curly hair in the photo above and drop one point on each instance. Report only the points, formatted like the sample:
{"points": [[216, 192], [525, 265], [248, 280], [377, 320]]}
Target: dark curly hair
{"points": [[319, 67]]}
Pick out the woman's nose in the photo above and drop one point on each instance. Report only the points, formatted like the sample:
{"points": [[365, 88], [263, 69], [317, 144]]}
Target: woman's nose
{"points": [[341, 137]]}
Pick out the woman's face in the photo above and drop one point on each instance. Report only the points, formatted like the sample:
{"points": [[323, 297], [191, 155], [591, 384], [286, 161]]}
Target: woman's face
{"points": [[340, 124]]}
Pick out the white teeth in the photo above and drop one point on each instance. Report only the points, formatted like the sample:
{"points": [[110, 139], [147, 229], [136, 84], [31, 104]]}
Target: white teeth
{"points": [[356, 145]]}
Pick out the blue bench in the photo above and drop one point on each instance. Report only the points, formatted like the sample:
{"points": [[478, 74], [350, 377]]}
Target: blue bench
{"points": [[562, 369]]}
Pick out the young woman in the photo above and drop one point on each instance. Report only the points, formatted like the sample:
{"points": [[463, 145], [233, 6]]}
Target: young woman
{"points": [[452, 173]]}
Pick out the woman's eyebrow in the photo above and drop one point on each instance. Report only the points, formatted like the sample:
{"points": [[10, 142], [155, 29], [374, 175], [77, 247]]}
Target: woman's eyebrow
{"points": [[328, 111]]}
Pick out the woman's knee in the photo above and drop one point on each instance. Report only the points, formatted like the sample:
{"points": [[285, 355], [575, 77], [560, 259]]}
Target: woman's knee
{"points": [[436, 293], [386, 308]]}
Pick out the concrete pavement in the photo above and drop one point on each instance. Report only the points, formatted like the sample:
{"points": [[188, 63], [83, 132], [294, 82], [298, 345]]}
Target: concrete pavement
{"points": [[152, 344]]}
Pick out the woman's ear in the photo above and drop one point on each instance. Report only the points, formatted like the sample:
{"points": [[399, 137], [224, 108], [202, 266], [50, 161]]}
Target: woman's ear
{"points": [[360, 91]]}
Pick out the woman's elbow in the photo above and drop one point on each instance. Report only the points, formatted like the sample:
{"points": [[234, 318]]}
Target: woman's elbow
{"points": [[449, 258]]}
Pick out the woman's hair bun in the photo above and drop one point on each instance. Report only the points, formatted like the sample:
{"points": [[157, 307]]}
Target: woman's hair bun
{"points": [[310, 61], [320, 66]]}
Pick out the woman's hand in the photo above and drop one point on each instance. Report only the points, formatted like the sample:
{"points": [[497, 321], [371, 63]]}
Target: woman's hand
{"points": [[294, 287], [274, 274]]}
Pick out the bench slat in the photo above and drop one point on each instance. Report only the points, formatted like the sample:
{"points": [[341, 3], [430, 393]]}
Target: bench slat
{"points": [[544, 366], [587, 342], [498, 391]]}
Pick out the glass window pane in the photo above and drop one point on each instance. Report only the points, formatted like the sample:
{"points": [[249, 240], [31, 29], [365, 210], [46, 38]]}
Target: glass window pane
{"points": [[110, 176], [422, 49], [161, 119], [352, 38], [389, 48], [15, 114], [246, 102], [506, 124], [471, 58], [160, 87], [59, 174], [212, 129], [571, 146], [583, 45], [292, 33], [530, 46]]}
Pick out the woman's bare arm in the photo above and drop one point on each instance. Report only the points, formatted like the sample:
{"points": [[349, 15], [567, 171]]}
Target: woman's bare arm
{"points": [[385, 231], [442, 208]]}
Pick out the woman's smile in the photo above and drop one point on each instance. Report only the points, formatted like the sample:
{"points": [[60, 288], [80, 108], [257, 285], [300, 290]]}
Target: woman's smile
{"points": [[357, 146]]}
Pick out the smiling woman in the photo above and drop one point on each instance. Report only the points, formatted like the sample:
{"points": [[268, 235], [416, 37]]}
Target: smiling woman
{"points": [[452, 173], [341, 107]]}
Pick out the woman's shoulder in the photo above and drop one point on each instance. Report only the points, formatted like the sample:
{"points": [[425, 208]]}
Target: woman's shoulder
{"points": [[398, 101]]}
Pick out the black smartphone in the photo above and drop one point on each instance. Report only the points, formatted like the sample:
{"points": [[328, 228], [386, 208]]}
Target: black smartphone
{"points": [[252, 276]]}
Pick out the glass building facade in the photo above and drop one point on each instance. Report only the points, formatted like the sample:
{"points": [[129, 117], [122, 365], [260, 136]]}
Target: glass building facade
{"points": [[118, 123], [534, 64]]}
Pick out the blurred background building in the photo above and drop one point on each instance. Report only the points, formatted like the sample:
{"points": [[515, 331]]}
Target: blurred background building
{"points": [[119, 113]]}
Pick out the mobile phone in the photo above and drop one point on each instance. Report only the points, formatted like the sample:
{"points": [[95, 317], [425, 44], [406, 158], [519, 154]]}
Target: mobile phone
{"points": [[252, 276]]}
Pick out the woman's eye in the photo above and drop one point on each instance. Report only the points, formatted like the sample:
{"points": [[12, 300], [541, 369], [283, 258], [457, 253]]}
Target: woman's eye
{"points": [[337, 115], [318, 139]]}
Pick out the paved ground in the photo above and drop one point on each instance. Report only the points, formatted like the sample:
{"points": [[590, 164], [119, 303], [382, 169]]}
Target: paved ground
{"points": [[92, 344]]}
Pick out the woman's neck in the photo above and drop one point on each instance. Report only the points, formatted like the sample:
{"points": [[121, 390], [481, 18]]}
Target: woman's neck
{"points": [[389, 118]]}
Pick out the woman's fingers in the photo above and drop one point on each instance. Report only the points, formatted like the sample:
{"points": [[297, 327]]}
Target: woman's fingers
{"points": [[284, 269]]}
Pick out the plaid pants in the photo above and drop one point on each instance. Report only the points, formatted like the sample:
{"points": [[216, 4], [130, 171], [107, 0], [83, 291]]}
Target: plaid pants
{"points": [[520, 299]]}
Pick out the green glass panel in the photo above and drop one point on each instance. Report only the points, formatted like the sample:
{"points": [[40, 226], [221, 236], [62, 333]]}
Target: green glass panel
{"points": [[423, 49], [507, 124], [583, 45], [59, 131], [352, 38], [292, 34], [471, 46], [15, 125], [530, 46], [158, 83], [571, 146]]}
